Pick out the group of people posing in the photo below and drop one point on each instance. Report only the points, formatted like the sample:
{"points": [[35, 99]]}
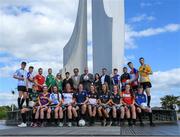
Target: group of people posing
{"points": [[109, 99]]}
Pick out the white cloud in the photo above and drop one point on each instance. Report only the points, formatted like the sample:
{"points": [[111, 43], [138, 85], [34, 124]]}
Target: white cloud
{"points": [[142, 17], [131, 35]]}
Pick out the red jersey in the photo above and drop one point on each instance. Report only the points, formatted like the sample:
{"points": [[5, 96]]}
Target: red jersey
{"points": [[40, 79], [134, 75], [127, 98]]}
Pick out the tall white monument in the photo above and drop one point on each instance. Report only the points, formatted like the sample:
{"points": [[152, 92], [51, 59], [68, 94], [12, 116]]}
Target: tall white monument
{"points": [[75, 51], [108, 34], [107, 37]]}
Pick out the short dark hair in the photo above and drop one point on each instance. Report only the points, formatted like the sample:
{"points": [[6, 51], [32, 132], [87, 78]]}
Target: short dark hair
{"points": [[141, 58], [104, 68], [31, 67], [129, 63], [39, 69], [23, 63], [124, 67], [115, 69], [67, 73]]}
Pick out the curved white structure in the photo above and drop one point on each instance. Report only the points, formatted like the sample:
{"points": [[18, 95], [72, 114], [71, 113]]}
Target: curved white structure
{"points": [[75, 51], [108, 34]]}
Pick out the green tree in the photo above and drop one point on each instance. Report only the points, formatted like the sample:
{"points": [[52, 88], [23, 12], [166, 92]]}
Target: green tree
{"points": [[169, 101]]}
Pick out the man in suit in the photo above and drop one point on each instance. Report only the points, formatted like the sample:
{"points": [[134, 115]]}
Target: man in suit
{"points": [[86, 79], [76, 79], [105, 78]]}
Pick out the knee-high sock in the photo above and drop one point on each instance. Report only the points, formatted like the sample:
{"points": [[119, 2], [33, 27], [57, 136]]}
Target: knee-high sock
{"points": [[27, 102], [148, 100], [19, 101], [150, 117], [140, 117], [23, 115]]}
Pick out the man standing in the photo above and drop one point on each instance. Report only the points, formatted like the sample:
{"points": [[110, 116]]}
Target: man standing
{"points": [[125, 77], [39, 80], [86, 79], [144, 72], [30, 82], [116, 77], [76, 79], [134, 75], [50, 80], [105, 78], [21, 75]]}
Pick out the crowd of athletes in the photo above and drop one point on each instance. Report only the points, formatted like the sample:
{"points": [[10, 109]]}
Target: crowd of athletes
{"points": [[109, 99]]}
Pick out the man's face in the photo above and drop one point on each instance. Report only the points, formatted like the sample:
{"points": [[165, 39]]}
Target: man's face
{"points": [[125, 70], [49, 71], [130, 65], [141, 61], [67, 75], [40, 71], [23, 66], [115, 72], [86, 70], [103, 71], [140, 90], [76, 72], [31, 70]]}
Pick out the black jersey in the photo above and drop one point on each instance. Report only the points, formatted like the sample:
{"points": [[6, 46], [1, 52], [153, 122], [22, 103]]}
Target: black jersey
{"points": [[115, 98], [104, 97]]}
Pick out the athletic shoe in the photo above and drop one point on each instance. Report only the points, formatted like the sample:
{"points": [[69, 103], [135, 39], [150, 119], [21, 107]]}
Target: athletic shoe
{"points": [[69, 124], [60, 124], [35, 125], [22, 125]]}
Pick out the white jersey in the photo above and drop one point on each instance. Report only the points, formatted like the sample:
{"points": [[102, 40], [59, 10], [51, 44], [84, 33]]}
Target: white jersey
{"points": [[30, 83], [21, 73], [68, 98]]}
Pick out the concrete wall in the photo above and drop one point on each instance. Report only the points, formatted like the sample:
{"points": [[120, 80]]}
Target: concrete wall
{"points": [[108, 34], [75, 51]]}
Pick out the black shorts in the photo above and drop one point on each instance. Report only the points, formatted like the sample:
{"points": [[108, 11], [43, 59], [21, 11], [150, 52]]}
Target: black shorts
{"points": [[134, 88], [146, 85], [22, 88], [29, 90]]}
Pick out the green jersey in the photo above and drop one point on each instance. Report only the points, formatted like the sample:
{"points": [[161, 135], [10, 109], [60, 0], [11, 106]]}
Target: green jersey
{"points": [[59, 85], [33, 96], [50, 81]]}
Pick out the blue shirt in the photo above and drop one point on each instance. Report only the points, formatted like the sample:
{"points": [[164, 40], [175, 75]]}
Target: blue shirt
{"points": [[140, 98], [21, 73], [116, 79], [80, 96]]}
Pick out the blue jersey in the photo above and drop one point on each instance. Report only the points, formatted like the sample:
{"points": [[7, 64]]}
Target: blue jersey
{"points": [[140, 98], [104, 97], [80, 96], [21, 73], [116, 79]]}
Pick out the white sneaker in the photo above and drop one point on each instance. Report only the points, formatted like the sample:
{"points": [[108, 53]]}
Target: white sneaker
{"points": [[61, 124], [69, 124], [22, 125]]}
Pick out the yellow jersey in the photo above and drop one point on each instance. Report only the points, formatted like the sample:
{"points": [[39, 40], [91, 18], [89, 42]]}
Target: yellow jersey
{"points": [[144, 72]]}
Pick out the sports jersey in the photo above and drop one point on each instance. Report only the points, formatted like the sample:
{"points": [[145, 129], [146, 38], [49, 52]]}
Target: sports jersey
{"points": [[21, 73], [92, 98], [29, 82], [50, 80], [44, 98], [124, 78], [127, 98], [116, 79], [59, 85], [133, 75], [104, 97], [140, 98], [80, 96], [40, 80], [67, 97], [115, 98], [55, 98], [143, 70], [33, 96]]}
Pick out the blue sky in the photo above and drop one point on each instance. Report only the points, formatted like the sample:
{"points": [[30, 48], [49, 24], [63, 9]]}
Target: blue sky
{"points": [[37, 32]]}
